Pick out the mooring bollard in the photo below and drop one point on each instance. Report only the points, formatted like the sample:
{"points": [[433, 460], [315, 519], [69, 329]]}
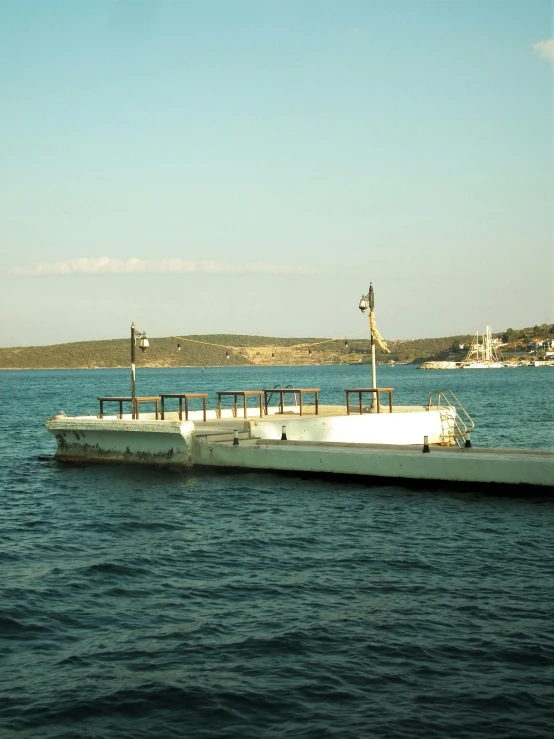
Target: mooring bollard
{"points": [[468, 440], [236, 439], [283, 433], [426, 449]]}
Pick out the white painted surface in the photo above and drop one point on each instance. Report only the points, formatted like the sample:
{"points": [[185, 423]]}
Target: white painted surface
{"points": [[172, 443], [162, 443], [196, 414], [369, 428], [442, 464]]}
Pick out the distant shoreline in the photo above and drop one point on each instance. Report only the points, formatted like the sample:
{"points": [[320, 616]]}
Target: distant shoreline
{"points": [[206, 366], [120, 367], [238, 350]]}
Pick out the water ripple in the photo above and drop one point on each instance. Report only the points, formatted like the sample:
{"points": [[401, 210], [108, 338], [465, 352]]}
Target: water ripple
{"points": [[135, 603]]}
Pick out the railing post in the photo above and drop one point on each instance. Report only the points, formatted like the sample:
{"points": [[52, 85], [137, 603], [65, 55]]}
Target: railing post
{"points": [[133, 371]]}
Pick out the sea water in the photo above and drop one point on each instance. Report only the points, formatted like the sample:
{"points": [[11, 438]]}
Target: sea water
{"points": [[142, 603]]}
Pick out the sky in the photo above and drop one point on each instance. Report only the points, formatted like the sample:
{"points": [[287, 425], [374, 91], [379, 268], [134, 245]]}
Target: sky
{"points": [[250, 166]]}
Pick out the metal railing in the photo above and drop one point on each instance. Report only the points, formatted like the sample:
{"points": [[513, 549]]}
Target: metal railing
{"points": [[455, 426], [279, 387]]}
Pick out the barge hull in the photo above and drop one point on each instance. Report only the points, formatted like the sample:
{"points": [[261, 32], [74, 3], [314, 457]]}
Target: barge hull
{"points": [[166, 444], [183, 444], [497, 467]]}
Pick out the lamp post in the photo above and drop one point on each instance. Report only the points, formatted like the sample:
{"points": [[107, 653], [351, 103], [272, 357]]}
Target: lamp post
{"points": [[368, 301], [143, 345]]}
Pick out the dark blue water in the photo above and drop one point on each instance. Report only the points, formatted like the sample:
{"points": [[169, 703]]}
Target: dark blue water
{"points": [[139, 603]]}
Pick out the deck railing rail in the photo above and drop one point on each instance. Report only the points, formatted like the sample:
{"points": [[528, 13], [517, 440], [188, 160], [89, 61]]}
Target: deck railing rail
{"points": [[457, 426], [279, 387]]}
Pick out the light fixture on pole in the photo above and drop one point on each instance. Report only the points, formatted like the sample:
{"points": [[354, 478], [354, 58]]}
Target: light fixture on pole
{"points": [[143, 346], [368, 301]]}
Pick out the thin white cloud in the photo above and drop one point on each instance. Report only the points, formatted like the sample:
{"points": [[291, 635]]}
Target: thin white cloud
{"points": [[545, 49], [109, 266]]}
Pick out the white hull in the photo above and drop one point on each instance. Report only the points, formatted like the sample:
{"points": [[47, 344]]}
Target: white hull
{"points": [[482, 355], [171, 443], [483, 365], [327, 444], [444, 464]]}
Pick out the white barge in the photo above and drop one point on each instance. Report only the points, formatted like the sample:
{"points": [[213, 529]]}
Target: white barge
{"points": [[388, 445], [429, 442]]}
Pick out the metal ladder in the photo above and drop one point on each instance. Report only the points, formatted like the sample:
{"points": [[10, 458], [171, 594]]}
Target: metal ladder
{"points": [[279, 387], [454, 427]]}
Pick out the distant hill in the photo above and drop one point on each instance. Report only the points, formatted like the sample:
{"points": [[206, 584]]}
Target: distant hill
{"points": [[211, 350]]}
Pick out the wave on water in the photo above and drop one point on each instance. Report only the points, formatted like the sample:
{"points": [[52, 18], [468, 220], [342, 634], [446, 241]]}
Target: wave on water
{"points": [[138, 604]]}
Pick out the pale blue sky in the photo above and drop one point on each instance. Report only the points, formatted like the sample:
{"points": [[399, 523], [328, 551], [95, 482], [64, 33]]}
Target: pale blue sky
{"points": [[284, 153]]}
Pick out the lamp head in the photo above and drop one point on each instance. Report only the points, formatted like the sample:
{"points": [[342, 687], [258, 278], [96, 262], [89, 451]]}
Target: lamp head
{"points": [[363, 304], [144, 344]]}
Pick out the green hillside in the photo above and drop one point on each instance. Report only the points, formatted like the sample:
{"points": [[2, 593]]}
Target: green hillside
{"points": [[211, 350], [163, 352]]}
